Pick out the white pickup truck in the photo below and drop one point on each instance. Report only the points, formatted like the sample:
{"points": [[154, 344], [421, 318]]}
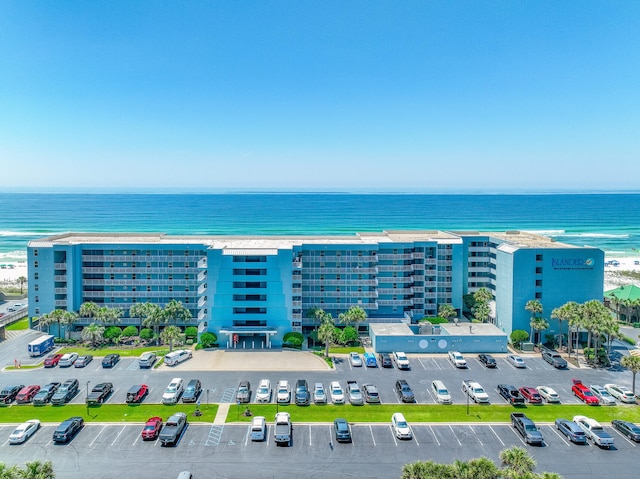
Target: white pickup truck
{"points": [[594, 431], [475, 391], [282, 430]]}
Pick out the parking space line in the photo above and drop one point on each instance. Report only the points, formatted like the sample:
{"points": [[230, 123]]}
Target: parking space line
{"points": [[558, 434], [422, 364], [121, 431], [413, 434], [623, 437], [476, 436], [498, 437], [96, 436], [393, 435], [434, 434], [372, 436], [310, 435], [138, 438], [454, 435], [513, 430], [247, 435], [5, 443]]}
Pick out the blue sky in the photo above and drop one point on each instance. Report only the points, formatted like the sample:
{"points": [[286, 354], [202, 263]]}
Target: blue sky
{"points": [[296, 95]]}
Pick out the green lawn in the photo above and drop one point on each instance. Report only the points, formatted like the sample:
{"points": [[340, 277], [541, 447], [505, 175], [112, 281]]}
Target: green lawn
{"points": [[433, 413], [19, 325], [105, 413], [103, 351]]}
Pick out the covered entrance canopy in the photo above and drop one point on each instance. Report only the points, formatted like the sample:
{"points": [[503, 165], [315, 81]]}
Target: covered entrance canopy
{"points": [[238, 336]]}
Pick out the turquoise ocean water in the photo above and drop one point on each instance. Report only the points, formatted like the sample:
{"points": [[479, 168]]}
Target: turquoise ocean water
{"points": [[607, 221]]}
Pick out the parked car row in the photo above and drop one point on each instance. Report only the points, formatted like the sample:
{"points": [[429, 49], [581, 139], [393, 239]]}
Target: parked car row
{"points": [[145, 361]]}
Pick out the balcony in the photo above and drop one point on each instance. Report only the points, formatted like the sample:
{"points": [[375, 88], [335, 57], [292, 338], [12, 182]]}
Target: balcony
{"points": [[417, 267], [417, 277], [60, 290], [430, 261], [296, 291], [417, 255], [202, 263], [202, 289], [406, 256], [296, 304], [351, 270], [60, 278], [394, 267], [141, 271], [60, 266], [61, 302], [341, 306], [395, 302], [202, 302], [202, 276], [395, 290], [445, 262]]}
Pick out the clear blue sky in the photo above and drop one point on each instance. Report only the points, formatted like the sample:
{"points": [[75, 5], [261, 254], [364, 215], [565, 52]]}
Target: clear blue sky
{"points": [[416, 95]]}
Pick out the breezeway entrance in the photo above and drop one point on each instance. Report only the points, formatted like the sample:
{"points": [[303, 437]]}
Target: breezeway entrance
{"points": [[247, 337]]}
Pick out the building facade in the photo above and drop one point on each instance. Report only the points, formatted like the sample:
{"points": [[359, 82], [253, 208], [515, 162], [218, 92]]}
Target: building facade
{"points": [[250, 291]]}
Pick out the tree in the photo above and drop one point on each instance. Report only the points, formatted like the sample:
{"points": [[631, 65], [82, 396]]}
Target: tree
{"points": [[44, 321], [482, 468], [129, 332], [632, 363], [208, 339], [108, 315], [353, 316], [576, 322], [537, 325], [482, 295], [349, 335], [564, 313], [146, 333], [112, 333], [595, 316], [150, 314], [481, 309], [535, 308], [57, 316], [92, 333], [293, 339], [326, 331], [37, 470], [427, 470], [516, 462], [518, 336], [175, 311], [191, 332], [68, 319], [89, 310], [170, 334], [22, 280], [447, 311]]}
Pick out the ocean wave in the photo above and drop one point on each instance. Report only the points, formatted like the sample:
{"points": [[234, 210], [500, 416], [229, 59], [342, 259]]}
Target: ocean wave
{"points": [[594, 235], [546, 232], [19, 255], [24, 233]]}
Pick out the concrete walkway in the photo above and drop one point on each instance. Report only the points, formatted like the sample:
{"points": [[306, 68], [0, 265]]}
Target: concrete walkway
{"points": [[221, 415]]}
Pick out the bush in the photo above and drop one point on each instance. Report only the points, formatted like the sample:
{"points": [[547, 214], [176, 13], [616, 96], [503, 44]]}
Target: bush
{"points": [[627, 339], [129, 332], [146, 333], [293, 339], [198, 346], [349, 335], [112, 332], [518, 336], [191, 332], [208, 339], [434, 320]]}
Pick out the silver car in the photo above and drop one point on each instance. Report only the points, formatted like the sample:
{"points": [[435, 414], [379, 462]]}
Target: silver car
{"points": [[603, 395], [319, 394]]}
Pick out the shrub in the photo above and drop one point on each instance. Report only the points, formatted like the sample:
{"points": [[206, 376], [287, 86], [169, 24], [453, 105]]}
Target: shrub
{"points": [[293, 339], [191, 332], [435, 320], [208, 339], [129, 332], [349, 335], [146, 333], [627, 339], [198, 346], [518, 336], [112, 332]]}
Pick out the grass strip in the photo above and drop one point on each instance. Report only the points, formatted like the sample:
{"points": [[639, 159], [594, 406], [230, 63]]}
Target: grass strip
{"points": [[105, 413], [20, 325], [432, 413], [129, 352]]}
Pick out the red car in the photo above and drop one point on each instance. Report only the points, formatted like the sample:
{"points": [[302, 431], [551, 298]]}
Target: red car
{"points": [[583, 393], [52, 360], [152, 429], [26, 394], [531, 395]]}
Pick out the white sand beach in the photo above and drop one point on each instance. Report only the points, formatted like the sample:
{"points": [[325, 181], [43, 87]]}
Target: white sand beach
{"points": [[12, 271]]}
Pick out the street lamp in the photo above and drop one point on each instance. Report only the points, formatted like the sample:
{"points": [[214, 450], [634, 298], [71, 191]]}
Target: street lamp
{"points": [[86, 399]]}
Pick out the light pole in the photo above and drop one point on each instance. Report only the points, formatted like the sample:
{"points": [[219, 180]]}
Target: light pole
{"points": [[86, 399]]}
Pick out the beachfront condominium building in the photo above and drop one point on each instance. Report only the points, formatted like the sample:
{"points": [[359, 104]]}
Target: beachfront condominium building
{"points": [[251, 290]]}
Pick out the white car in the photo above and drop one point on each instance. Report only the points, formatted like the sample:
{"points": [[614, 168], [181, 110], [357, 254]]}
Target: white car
{"points": [[263, 393], [319, 394], [355, 359], [67, 360], [402, 361], [337, 394], [621, 393], [24, 431], [283, 393], [516, 361], [548, 394], [400, 426], [457, 360], [603, 395], [173, 391]]}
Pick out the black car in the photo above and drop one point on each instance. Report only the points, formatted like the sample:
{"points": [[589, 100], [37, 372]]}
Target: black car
{"points": [[68, 429], [8, 394], [404, 391], [99, 393], [341, 428], [303, 396], [244, 392], [511, 394], [627, 428], [487, 360], [82, 361], [110, 360], [65, 392], [192, 391], [385, 360], [46, 392]]}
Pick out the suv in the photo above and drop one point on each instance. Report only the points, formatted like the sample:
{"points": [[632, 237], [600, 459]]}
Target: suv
{"points": [[192, 391], [283, 392], [66, 392], [487, 360], [45, 393], [457, 360], [402, 362], [404, 391], [27, 394], [136, 393], [303, 397], [8, 394], [583, 393], [147, 360], [110, 360], [385, 360], [319, 394], [68, 429], [370, 393], [173, 391], [263, 393], [244, 392]]}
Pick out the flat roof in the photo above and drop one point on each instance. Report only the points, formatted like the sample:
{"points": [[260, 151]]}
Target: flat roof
{"points": [[448, 329]]}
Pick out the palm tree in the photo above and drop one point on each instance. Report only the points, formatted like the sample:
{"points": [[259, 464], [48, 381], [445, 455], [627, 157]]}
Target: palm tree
{"points": [[632, 363], [44, 320], [535, 308], [353, 316], [482, 295], [67, 320], [8, 472], [537, 325], [89, 310], [38, 470], [22, 280], [482, 468], [108, 315], [171, 334], [57, 316], [481, 311], [517, 462], [564, 313], [93, 332], [595, 315], [327, 331], [150, 314], [175, 311], [427, 469], [447, 311], [576, 322]]}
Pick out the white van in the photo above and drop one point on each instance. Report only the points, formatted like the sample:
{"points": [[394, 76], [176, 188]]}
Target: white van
{"points": [[176, 357], [258, 428], [441, 392]]}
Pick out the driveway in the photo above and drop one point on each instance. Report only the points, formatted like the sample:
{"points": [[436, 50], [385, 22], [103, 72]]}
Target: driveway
{"points": [[224, 360]]}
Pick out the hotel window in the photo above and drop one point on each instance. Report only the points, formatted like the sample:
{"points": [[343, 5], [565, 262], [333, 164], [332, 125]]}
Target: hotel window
{"points": [[538, 282], [35, 264], [170, 265], [133, 276], [538, 270], [538, 257], [35, 287], [35, 275], [37, 299], [35, 252], [113, 276], [148, 288], [37, 310], [170, 288], [538, 295]]}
